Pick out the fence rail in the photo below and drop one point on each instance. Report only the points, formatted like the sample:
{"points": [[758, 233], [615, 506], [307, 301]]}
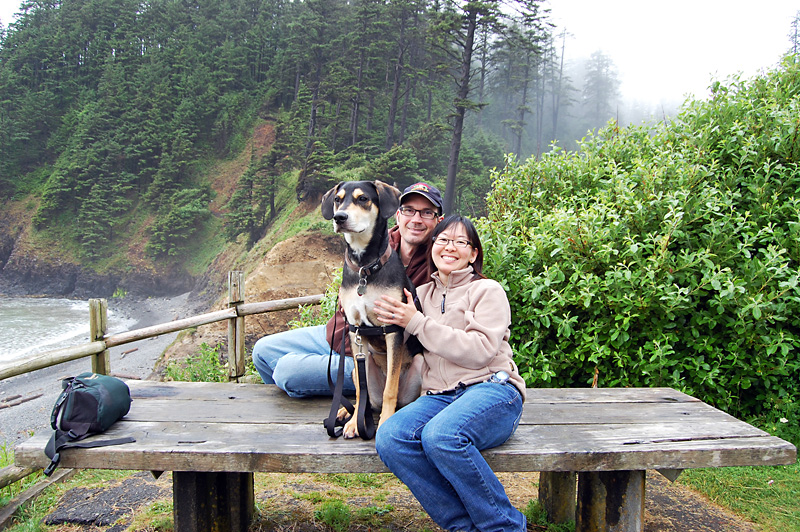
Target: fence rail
{"points": [[98, 348], [101, 342]]}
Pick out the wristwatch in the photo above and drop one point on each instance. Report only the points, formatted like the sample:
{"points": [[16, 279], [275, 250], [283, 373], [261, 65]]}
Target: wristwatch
{"points": [[501, 377]]}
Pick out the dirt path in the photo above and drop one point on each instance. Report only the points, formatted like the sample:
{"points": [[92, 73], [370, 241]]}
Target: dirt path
{"points": [[376, 502]]}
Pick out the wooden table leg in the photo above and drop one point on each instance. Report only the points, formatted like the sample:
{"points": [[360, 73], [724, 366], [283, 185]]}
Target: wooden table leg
{"points": [[610, 501], [212, 502], [557, 495]]}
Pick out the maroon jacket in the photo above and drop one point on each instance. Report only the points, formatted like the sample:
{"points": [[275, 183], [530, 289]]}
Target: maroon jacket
{"points": [[418, 270]]}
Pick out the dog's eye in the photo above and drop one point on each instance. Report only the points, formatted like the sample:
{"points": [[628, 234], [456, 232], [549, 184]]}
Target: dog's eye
{"points": [[337, 200], [362, 199]]}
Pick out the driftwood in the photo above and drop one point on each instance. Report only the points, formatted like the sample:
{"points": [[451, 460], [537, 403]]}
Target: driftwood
{"points": [[15, 400]]}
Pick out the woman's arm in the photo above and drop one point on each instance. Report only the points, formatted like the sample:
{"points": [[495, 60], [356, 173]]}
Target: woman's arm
{"points": [[472, 340]]}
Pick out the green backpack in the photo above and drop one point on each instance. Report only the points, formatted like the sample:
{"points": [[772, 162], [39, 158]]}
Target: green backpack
{"points": [[89, 404]]}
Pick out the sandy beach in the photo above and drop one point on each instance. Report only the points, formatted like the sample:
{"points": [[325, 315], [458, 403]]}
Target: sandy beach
{"points": [[134, 360]]}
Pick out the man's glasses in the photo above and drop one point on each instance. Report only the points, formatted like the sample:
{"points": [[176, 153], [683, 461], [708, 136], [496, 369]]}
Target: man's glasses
{"points": [[442, 241], [425, 214]]}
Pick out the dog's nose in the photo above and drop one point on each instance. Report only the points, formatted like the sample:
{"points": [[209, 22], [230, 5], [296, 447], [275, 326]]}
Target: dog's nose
{"points": [[340, 217]]}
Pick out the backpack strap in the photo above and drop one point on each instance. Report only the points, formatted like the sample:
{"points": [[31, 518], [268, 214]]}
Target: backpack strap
{"points": [[61, 440]]}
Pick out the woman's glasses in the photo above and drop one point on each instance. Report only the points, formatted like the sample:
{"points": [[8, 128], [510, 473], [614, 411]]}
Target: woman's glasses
{"points": [[459, 243], [425, 214]]}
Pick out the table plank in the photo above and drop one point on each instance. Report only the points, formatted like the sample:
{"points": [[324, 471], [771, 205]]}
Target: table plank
{"points": [[264, 410], [241, 427], [306, 448], [213, 391], [255, 403]]}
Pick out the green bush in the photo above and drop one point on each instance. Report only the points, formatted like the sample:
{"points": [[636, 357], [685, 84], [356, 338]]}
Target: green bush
{"points": [[206, 366], [663, 256], [311, 315]]}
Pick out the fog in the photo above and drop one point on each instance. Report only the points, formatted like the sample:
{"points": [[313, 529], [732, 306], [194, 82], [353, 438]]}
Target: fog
{"points": [[664, 51]]}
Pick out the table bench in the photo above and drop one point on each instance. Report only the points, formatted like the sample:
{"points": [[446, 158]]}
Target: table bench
{"points": [[214, 436]]}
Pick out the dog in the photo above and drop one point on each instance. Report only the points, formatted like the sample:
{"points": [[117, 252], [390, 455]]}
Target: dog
{"points": [[360, 211]]}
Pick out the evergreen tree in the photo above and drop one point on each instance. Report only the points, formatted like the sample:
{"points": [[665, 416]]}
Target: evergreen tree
{"points": [[794, 35], [601, 90]]}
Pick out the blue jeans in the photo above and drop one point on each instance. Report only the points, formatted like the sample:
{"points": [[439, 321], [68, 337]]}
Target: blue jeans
{"points": [[297, 361], [433, 445]]}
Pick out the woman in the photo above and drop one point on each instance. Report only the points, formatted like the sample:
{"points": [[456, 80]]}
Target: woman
{"points": [[472, 393]]}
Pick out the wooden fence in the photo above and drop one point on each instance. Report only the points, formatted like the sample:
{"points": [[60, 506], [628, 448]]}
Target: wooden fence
{"points": [[100, 342]]}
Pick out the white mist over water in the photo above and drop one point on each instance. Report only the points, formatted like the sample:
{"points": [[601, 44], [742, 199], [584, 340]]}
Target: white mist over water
{"points": [[34, 325]]}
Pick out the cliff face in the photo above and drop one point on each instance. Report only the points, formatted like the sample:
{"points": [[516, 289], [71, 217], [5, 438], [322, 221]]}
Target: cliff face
{"points": [[26, 274], [32, 268], [33, 264]]}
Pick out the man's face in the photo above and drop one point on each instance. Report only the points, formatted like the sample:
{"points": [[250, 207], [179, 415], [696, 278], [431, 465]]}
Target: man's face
{"points": [[416, 230]]}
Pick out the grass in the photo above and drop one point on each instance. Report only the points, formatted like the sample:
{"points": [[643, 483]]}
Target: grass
{"points": [[768, 496], [29, 518], [206, 366]]}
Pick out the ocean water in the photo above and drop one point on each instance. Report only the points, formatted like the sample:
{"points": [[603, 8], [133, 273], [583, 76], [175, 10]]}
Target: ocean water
{"points": [[33, 325]]}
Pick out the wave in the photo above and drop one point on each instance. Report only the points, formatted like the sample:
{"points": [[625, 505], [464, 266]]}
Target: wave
{"points": [[35, 325]]}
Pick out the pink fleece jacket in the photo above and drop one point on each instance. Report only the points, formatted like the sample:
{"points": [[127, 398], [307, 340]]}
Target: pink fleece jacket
{"points": [[464, 329]]}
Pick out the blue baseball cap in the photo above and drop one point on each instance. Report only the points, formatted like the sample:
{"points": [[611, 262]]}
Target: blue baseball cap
{"points": [[430, 192]]}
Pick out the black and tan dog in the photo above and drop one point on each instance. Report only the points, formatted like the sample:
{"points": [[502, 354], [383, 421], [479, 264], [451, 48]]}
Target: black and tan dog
{"points": [[360, 210]]}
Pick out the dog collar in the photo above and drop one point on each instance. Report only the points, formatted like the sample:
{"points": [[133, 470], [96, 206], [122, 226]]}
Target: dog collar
{"points": [[370, 269]]}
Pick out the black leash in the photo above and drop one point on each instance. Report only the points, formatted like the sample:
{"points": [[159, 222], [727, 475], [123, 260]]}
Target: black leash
{"points": [[365, 420], [332, 424]]}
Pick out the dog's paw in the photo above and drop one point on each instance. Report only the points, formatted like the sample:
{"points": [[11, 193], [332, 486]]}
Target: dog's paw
{"points": [[350, 429], [342, 414]]}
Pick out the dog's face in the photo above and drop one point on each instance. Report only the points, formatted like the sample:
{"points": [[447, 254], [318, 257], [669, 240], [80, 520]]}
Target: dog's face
{"points": [[356, 207]]}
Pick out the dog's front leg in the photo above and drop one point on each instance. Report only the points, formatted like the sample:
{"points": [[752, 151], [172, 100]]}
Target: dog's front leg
{"points": [[395, 355]]}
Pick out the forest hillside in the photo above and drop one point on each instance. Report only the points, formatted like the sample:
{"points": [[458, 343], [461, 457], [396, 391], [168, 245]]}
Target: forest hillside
{"points": [[132, 133], [150, 147]]}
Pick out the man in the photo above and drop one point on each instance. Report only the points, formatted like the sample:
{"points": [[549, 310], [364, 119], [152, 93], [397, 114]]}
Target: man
{"points": [[297, 360]]}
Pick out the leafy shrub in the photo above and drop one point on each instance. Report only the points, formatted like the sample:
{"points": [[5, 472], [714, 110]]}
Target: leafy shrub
{"points": [[206, 366], [311, 315], [663, 256]]}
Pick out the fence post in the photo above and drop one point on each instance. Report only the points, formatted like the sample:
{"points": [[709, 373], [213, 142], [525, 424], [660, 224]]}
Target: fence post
{"points": [[236, 366], [98, 326]]}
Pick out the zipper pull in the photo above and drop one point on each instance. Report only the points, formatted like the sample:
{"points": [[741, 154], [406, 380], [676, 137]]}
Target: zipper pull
{"points": [[444, 295]]}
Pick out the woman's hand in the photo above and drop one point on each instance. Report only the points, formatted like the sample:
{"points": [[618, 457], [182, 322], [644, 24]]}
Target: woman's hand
{"points": [[394, 311]]}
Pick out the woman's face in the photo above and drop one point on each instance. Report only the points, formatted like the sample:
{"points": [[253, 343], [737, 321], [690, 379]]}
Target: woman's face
{"points": [[449, 257]]}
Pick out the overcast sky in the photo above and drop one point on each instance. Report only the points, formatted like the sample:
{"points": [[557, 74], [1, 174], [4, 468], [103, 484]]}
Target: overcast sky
{"points": [[7, 9], [663, 50]]}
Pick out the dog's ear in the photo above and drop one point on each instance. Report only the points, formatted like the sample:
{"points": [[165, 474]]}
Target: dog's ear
{"points": [[327, 202], [389, 197]]}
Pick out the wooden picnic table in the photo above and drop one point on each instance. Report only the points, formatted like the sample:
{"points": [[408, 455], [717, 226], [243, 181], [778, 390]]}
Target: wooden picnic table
{"points": [[214, 436]]}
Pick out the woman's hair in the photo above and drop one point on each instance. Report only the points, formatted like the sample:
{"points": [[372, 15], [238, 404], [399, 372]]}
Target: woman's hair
{"points": [[472, 235]]}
